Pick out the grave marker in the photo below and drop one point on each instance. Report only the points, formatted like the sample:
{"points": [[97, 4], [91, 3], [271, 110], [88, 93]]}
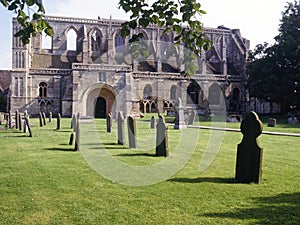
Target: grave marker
{"points": [[50, 117], [58, 121], [249, 154], [109, 122], [162, 138], [179, 116], [28, 125], [121, 139], [44, 118], [77, 134], [271, 122], [17, 119], [41, 119], [152, 122], [20, 121], [131, 126]]}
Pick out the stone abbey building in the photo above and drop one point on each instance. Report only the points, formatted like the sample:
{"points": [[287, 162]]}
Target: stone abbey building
{"points": [[86, 67]]}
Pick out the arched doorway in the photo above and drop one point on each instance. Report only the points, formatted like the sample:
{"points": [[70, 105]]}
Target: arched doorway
{"points": [[100, 108]]}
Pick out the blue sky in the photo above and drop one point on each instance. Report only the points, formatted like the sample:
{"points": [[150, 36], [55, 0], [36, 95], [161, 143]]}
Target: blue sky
{"points": [[258, 20]]}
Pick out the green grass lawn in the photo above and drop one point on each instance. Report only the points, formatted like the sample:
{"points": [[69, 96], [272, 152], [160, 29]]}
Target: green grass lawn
{"points": [[43, 181]]}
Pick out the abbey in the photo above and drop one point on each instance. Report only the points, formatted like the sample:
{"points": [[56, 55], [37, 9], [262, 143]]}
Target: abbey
{"points": [[86, 67]]}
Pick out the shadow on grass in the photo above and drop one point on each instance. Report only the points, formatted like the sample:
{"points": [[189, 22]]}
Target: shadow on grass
{"points": [[278, 209], [204, 179], [137, 154], [61, 149]]}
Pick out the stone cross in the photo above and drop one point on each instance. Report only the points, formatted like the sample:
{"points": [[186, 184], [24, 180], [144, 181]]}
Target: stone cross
{"points": [[58, 121], [109, 122], [249, 154], [131, 126], [152, 122], [161, 138], [121, 139], [179, 117]]}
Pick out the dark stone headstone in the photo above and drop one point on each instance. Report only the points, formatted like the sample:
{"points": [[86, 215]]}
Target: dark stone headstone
{"points": [[17, 119], [58, 119], [109, 122], [249, 154], [271, 122], [25, 128], [192, 117], [161, 138], [152, 122], [41, 119], [131, 126], [121, 138], [50, 117], [20, 121], [44, 118], [179, 117], [77, 137]]}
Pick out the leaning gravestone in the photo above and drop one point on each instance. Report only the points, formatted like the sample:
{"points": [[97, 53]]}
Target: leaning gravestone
{"points": [[271, 122], [152, 122], [44, 118], [179, 117], [50, 117], [28, 125], [121, 139], [25, 128], [109, 122], [41, 119], [161, 138], [249, 154], [131, 126]]}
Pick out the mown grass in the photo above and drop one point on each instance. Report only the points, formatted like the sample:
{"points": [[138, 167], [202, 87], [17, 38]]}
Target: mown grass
{"points": [[43, 181]]}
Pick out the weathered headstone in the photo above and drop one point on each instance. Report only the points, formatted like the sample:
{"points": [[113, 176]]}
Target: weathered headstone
{"points": [[249, 154], [17, 119], [50, 117], [20, 121], [9, 119], [192, 117], [25, 128], [271, 122], [58, 121], [131, 126], [77, 134], [41, 119], [121, 139], [179, 117], [44, 118], [109, 122], [161, 138], [152, 122], [73, 123], [28, 125]]}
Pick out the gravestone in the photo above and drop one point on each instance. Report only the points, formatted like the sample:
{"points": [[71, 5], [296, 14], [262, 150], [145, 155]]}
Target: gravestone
{"points": [[152, 122], [58, 119], [109, 122], [17, 119], [121, 139], [44, 118], [25, 128], [50, 117], [9, 119], [192, 117], [161, 138], [20, 121], [77, 134], [41, 119], [131, 126], [179, 116], [249, 154], [28, 125], [73, 122], [271, 122]]}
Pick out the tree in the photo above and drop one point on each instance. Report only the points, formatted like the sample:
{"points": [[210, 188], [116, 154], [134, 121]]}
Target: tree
{"points": [[178, 17], [32, 24], [274, 71]]}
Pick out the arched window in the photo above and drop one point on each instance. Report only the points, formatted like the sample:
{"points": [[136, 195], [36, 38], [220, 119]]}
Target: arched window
{"points": [[147, 91], [173, 93], [43, 90], [46, 41], [71, 40], [96, 39], [119, 42], [193, 91]]}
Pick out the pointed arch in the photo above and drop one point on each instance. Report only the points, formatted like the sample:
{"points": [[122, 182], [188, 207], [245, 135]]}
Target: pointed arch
{"points": [[71, 35], [119, 42], [96, 38]]}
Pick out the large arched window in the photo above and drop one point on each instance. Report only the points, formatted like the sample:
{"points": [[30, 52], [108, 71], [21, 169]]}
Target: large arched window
{"points": [[173, 93], [96, 39], [119, 42], [71, 40], [43, 90], [147, 91], [193, 91]]}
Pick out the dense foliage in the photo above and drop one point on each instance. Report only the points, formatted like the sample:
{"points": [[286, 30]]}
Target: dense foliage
{"points": [[274, 71]]}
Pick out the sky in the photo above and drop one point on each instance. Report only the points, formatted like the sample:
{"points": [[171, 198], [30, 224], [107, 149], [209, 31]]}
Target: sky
{"points": [[258, 20]]}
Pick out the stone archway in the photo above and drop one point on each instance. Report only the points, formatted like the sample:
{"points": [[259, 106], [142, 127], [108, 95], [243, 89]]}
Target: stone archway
{"points": [[99, 101]]}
